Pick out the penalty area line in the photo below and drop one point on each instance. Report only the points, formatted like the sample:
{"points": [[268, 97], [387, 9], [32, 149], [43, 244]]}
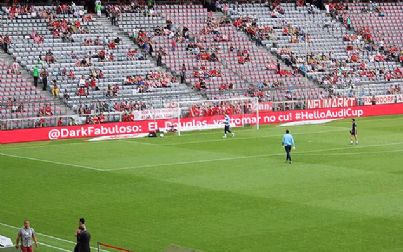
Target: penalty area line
{"points": [[52, 162], [53, 247]]}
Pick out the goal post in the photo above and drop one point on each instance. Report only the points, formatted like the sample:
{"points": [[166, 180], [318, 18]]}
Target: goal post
{"points": [[104, 247], [209, 114]]}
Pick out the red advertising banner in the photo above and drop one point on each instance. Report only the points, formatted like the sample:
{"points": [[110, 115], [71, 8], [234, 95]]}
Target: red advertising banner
{"points": [[145, 126], [341, 102], [382, 99]]}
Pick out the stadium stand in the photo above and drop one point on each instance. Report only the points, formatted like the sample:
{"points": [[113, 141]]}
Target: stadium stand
{"points": [[380, 20], [20, 99], [238, 66], [89, 62], [321, 46]]}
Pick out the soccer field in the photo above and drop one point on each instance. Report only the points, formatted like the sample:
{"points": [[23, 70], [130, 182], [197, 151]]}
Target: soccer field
{"points": [[201, 191]]}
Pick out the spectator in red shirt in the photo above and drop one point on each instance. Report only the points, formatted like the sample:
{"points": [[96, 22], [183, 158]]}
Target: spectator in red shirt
{"points": [[93, 83], [71, 74], [173, 44]]}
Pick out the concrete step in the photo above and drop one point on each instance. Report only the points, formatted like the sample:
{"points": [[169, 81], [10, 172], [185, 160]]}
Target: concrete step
{"points": [[25, 73]]}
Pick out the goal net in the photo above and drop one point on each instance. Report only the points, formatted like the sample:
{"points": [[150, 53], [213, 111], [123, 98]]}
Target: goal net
{"points": [[209, 114], [103, 247]]}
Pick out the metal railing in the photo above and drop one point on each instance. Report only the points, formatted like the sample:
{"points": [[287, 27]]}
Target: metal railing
{"points": [[63, 120]]}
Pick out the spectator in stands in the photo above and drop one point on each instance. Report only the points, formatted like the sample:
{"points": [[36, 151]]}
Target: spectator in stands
{"points": [[15, 67], [10, 103], [159, 58], [109, 91], [81, 82], [97, 41], [213, 57], [139, 56], [35, 74], [49, 57], [5, 42], [348, 22], [85, 62], [101, 55], [98, 8], [66, 95], [71, 74], [183, 73], [111, 57], [44, 76], [38, 39], [173, 44], [82, 91], [93, 84], [2, 41], [397, 89], [381, 46], [114, 14], [13, 105], [55, 89], [100, 74], [20, 108], [59, 122], [47, 110], [115, 89]]}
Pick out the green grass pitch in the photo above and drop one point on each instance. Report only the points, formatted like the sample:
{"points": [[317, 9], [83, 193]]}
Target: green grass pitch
{"points": [[201, 191]]}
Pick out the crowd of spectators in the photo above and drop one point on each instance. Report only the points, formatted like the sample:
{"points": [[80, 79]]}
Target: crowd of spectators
{"points": [[360, 49], [220, 108], [150, 81], [15, 106], [109, 106], [394, 89]]}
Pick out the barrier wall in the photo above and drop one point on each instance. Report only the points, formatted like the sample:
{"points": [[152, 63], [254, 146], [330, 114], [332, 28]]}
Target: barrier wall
{"points": [[145, 126]]}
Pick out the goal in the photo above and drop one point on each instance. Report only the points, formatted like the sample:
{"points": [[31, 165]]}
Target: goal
{"points": [[103, 247], [209, 114]]}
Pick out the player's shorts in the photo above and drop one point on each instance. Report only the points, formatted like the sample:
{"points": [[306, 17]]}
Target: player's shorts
{"points": [[353, 132], [226, 128], [26, 249]]}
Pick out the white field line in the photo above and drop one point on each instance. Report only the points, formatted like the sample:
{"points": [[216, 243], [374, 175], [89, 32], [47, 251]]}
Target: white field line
{"points": [[349, 153], [192, 162], [45, 145], [51, 162], [53, 247], [47, 236], [237, 138], [260, 156]]}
